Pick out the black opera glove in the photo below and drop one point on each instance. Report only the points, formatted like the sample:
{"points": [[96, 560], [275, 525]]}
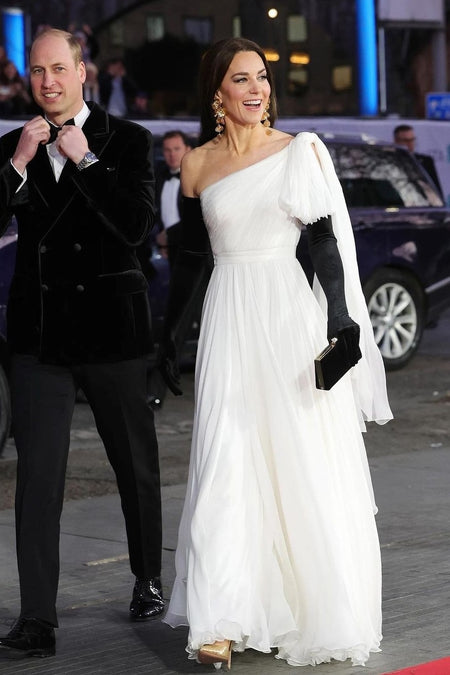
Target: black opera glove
{"points": [[350, 337], [328, 267], [186, 282]]}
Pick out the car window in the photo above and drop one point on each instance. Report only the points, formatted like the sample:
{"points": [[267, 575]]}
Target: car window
{"points": [[383, 176], [370, 192]]}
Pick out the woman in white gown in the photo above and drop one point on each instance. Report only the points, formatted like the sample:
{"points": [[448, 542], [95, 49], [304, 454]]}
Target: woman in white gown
{"points": [[277, 545]]}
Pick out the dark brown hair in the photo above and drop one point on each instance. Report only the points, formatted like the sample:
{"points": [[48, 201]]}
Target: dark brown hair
{"points": [[403, 127], [213, 67]]}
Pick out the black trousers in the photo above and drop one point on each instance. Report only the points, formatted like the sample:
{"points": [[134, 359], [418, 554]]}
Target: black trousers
{"points": [[43, 399], [173, 243]]}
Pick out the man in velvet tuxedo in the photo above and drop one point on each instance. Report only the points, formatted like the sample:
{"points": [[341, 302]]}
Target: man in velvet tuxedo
{"points": [[81, 185]]}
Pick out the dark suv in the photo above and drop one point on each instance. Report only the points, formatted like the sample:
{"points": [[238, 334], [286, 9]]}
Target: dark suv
{"points": [[402, 233]]}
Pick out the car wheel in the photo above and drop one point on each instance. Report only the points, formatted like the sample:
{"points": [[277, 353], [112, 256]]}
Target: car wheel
{"points": [[396, 307], [5, 409]]}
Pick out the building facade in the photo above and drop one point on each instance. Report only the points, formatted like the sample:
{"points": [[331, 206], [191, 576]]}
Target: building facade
{"points": [[311, 45], [310, 49]]}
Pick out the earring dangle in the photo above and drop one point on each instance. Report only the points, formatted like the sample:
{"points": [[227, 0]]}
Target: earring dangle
{"points": [[265, 118], [219, 114]]}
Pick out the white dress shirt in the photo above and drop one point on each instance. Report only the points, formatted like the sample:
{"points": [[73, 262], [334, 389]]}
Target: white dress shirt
{"points": [[57, 161], [169, 202]]}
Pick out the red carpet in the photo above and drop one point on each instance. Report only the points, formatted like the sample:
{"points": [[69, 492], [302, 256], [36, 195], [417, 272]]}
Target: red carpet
{"points": [[440, 667]]}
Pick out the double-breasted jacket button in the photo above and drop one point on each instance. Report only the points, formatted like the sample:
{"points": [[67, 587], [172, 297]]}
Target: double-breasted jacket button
{"points": [[43, 249], [44, 288], [79, 288], [77, 247]]}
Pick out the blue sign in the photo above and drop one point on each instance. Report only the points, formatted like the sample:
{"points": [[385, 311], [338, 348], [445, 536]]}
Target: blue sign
{"points": [[438, 106]]}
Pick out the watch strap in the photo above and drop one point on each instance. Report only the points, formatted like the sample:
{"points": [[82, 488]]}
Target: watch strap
{"points": [[87, 160]]}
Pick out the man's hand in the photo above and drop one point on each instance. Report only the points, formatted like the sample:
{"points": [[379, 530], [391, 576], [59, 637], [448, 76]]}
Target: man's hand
{"points": [[72, 143], [34, 132]]}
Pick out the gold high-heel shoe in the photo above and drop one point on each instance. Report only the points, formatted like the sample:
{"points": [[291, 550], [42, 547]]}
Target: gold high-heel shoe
{"points": [[217, 653]]}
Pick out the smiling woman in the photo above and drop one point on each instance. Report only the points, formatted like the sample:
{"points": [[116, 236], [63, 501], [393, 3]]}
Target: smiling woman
{"points": [[277, 544], [210, 86], [245, 90]]}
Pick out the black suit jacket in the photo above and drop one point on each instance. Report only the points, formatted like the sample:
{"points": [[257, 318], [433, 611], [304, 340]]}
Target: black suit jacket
{"points": [[428, 164], [78, 294]]}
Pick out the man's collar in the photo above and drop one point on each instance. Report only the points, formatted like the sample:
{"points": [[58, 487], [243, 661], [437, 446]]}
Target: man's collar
{"points": [[82, 116], [79, 119]]}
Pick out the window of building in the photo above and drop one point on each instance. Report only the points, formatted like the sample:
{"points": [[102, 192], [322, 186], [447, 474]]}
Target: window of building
{"points": [[237, 26], [299, 58], [342, 78], [272, 55], [199, 28], [298, 73], [298, 79], [155, 27], [116, 33], [297, 30]]}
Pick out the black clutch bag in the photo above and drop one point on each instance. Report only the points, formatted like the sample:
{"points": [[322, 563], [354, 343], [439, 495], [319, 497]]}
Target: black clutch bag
{"points": [[331, 364]]}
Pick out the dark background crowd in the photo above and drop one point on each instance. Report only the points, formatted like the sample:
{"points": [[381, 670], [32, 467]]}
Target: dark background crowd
{"points": [[107, 83]]}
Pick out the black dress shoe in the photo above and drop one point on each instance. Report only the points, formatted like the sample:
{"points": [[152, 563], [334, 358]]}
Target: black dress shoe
{"points": [[147, 601], [28, 637]]}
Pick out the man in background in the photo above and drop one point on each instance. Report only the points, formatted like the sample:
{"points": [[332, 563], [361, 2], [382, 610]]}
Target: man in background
{"points": [[168, 199], [117, 89], [404, 135], [175, 145]]}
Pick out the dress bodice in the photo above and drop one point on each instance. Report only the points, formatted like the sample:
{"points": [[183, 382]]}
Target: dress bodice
{"points": [[243, 217]]}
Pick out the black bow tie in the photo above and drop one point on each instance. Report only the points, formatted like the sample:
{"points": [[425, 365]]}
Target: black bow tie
{"points": [[54, 130], [174, 174]]}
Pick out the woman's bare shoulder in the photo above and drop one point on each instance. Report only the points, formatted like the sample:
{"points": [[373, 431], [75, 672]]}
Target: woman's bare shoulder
{"points": [[193, 166], [195, 157], [279, 139], [278, 135]]}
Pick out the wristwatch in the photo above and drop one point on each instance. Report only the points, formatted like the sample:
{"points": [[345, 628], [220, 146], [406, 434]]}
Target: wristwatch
{"points": [[87, 160]]}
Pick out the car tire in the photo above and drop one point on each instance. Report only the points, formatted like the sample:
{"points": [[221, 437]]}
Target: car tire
{"points": [[397, 311], [5, 409]]}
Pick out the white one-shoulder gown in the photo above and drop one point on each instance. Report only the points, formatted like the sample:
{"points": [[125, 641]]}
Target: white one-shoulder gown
{"points": [[278, 545]]}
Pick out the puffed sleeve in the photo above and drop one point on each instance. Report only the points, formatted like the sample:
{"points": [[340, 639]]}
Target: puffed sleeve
{"points": [[305, 194]]}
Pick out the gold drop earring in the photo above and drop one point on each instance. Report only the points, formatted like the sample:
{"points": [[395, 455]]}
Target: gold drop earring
{"points": [[265, 118], [219, 114]]}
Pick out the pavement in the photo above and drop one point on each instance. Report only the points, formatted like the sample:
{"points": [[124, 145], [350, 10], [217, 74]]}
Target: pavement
{"points": [[411, 487]]}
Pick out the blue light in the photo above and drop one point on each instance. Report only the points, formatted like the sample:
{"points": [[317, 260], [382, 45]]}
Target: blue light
{"points": [[14, 37], [367, 57]]}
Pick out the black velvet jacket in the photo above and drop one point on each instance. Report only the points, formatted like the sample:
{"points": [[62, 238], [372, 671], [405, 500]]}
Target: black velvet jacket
{"points": [[78, 294]]}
